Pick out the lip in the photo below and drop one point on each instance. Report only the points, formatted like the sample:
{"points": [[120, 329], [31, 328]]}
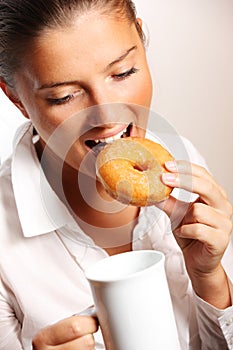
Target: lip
{"points": [[111, 133], [100, 140]]}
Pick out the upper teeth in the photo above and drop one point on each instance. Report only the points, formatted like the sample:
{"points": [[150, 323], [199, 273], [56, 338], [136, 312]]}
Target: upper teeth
{"points": [[112, 138]]}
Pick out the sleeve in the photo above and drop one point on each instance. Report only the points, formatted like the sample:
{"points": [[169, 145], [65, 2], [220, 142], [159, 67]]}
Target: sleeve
{"points": [[10, 328], [216, 326]]}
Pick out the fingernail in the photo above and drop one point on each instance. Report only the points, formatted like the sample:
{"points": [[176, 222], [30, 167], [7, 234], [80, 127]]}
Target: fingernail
{"points": [[169, 178], [171, 165]]}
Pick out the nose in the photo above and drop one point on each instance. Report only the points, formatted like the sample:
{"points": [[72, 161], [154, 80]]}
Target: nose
{"points": [[108, 115], [106, 109], [103, 114]]}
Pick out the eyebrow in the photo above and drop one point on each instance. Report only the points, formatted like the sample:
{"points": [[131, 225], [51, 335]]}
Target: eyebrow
{"points": [[119, 59]]}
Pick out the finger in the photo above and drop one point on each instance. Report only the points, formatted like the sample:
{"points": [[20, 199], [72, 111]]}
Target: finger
{"points": [[175, 209], [184, 167], [209, 236], [208, 191], [205, 224], [67, 330], [203, 214], [85, 342]]}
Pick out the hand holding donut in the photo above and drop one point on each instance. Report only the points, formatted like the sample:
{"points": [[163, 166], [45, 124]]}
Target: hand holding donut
{"points": [[202, 229], [204, 232]]}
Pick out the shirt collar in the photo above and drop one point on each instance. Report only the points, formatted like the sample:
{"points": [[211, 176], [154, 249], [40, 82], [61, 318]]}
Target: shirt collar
{"points": [[39, 208]]}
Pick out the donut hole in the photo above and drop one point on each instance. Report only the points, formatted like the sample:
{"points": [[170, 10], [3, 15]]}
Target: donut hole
{"points": [[141, 167]]}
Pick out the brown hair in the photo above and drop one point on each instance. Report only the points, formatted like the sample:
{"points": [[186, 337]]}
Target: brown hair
{"points": [[21, 21]]}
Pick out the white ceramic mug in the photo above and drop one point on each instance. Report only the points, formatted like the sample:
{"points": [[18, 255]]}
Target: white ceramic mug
{"points": [[133, 302]]}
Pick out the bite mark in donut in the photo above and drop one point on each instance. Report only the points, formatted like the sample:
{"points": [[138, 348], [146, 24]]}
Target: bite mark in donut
{"points": [[130, 170]]}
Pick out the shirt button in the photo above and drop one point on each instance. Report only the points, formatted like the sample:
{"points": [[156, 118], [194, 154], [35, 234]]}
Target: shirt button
{"points": [[228, 323]]}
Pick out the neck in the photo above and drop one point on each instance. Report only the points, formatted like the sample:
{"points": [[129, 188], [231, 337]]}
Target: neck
{"points": [[108, 222]]}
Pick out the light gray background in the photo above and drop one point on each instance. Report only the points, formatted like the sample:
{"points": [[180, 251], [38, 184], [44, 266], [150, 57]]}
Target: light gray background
{"points": [[191, 57]]}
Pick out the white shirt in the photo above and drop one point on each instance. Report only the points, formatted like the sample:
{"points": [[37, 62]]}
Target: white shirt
{"points": [[43, 255]]}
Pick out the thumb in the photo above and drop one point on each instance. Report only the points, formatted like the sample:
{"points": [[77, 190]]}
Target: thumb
{"points": [[175, 209]]}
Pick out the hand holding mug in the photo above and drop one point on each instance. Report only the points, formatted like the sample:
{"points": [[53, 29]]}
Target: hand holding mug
{"points": [[73, 333], [133, 302]]}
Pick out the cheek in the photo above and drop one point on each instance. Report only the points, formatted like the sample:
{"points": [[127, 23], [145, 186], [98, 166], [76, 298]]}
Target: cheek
{"points": [[146, 89], [75, 156], [142, 91], [45, 126], [46, 121], [43, 121], [61, 134]]}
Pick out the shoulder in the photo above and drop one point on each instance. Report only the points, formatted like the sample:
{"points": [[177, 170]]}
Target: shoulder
{"points": [[193, 154], [5, 167], [179, 146], [183, 149], [9, 220], [5, 179]]}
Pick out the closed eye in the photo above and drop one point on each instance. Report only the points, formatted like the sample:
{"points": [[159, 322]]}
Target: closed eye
{"points": [[66, 99], [125, 75], [59, 101]]}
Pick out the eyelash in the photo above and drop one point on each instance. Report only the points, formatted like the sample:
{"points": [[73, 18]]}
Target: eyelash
{"points": [[126, 74], [119, 77], [60, 101]]}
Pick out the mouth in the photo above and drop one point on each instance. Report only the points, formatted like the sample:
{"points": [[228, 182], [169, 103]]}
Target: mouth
{"points": [[98, 144]]}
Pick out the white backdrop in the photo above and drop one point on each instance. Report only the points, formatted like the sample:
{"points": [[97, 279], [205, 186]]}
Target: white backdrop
{"points": [[10, 119], [191, 57]]}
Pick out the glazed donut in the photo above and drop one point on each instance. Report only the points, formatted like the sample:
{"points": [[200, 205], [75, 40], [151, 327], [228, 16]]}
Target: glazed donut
{"points": [[130, 170]]}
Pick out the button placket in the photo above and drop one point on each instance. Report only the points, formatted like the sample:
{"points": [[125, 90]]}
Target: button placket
{"points": [[228, 323]]}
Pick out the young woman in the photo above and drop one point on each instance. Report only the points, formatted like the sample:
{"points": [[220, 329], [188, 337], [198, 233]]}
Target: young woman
{"points": [[77, 69]]}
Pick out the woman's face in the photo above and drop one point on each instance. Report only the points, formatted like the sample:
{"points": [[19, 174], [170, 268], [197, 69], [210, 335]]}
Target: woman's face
{"points": [[97, 61]]}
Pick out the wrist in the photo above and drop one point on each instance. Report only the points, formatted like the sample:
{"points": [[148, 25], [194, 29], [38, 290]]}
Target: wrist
{"points": [[213, 287]]}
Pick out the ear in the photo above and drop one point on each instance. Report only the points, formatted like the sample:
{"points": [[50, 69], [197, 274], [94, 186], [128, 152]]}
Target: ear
{"points": [[139, 22], [12, 96]]}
